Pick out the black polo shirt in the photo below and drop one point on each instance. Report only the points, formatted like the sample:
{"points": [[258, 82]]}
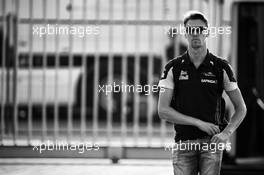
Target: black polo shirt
{"points": [[197, 91]]}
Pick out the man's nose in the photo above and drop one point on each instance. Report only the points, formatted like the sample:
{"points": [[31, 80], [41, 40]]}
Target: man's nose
{"points": [[195, 32]]}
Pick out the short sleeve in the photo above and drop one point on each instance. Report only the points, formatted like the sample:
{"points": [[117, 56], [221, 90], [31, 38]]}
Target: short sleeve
{"points": [[229, 80], [166, 80]]}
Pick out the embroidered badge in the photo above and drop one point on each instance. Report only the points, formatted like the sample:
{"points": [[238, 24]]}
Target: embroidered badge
{"points": [[184, 75]]}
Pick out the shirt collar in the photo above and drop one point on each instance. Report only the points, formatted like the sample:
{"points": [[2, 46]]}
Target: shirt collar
{"points": [[206, 62]]}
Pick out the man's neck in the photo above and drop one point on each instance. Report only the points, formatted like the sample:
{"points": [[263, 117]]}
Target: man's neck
{"points": [[197, 55]]}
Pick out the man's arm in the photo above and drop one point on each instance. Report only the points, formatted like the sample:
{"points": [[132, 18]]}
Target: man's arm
{"points": [[171, 115], [240, 113], [240, 110]]}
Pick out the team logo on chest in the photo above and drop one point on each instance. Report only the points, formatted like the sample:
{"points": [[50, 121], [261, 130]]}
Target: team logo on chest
{"points": [[209, 74], [209, 77], [183, 75]]}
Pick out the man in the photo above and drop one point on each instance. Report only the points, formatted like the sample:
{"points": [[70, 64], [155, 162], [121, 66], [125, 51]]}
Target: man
{"points": [[190, 97]]}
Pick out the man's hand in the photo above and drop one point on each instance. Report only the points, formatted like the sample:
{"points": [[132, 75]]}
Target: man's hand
{"points": [[209, 128], [220, 138]]}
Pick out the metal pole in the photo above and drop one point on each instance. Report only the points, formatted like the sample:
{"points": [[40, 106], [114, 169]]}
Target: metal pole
{"points": [[84, 80], [70, 125], [150, 76], [3, 73], [15, 66], [56, 123], [124, 78], [44, 117], [30, 74], [136, 78], [96, 79], [110, 78]]}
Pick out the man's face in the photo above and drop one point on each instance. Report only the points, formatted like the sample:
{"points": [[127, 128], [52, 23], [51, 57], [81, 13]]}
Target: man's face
{"points": [[195, 33]]}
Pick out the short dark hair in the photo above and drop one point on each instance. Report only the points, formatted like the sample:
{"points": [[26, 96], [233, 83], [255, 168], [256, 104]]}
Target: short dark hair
{"points": [[194, 15]]}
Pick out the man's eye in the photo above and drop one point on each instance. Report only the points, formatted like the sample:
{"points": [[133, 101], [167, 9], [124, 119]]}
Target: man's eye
{"points": [[192, 30]]}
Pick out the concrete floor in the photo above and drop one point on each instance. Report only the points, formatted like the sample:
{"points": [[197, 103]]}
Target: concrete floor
{"points": [[84, 166]]}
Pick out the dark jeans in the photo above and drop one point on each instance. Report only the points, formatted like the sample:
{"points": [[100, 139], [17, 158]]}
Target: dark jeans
{"points": [[189, 160]]}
